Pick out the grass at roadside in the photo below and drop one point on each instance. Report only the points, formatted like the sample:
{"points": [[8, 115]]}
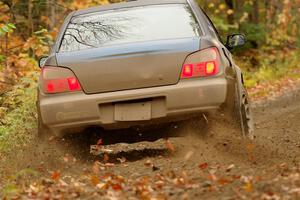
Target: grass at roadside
{"points": [[270, 73], [18, 115]]}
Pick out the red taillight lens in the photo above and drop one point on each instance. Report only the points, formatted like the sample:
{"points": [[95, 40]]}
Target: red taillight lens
{"points": [[73, 84], [202, 64], [211, 68], [59, 80], [187, 71]]}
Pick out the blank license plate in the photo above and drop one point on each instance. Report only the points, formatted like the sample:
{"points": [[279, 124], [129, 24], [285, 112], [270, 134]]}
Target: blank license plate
{"points": [[133, 111]]}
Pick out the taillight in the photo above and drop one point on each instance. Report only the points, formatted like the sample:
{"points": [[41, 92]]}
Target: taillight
{"points": [[203, 63], [59, 80]]}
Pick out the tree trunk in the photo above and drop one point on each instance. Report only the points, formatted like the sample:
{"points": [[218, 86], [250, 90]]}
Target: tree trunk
{"points": [[53, 13], [6, 51], [230, 5], [48, 7], [6, 78], [30, 18], [255, 12], [239, 5]]}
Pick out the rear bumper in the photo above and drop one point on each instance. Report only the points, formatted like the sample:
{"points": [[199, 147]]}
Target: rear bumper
{"points": [[78, 110]]}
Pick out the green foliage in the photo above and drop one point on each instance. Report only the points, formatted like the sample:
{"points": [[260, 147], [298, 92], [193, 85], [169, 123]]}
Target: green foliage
{"points": [[18, 114], [223, 27], [256, 34], [270, 23], [44, 37], [4, 29], [11, 188], [7, 29], [9, 191], [2, 58], [270, 66]]}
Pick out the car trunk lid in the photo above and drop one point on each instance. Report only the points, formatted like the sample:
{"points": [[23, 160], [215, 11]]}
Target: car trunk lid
{"points": [[129, 66]]}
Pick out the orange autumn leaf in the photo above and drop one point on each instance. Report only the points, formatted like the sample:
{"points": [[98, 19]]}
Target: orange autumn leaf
{"points": [[250, 147], [105, 158], [4, 18], [46, 20], [56, 175], [100, 142], [248, 187], [96, 167], [203, 166], [117, 187], [95, 180], [54, 33], [170, 146], [223, 181], [212, 177]]}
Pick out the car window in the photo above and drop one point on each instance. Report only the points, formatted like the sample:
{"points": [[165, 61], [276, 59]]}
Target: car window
{"points": [[138, 24]]}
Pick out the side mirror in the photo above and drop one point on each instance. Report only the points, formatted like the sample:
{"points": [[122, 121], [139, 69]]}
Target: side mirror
{"points": [[236, 40], [42, 61]]}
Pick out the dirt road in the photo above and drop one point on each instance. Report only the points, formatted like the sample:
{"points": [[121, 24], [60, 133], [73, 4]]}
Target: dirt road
{"points": [[200, 164]]}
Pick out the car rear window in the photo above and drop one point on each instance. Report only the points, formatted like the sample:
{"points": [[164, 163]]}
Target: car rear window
{"points": [[137, 24]]}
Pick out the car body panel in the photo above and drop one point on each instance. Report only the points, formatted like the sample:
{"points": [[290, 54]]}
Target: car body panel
{"points": [[59, 111]]}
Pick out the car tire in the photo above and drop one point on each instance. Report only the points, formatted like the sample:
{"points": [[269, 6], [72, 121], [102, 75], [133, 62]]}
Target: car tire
{"points": [[243, 114]]}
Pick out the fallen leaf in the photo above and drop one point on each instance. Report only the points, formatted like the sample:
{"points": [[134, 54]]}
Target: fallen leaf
{"points": [[100, 142], [121, 160], [66, 158], [230, 167], [258, 178], [109, 165], [203, 166], [101, 186], [63, 183], [212, 177], [250, 147], [47, 182], [55, 175], [236, 177], [107, 150], [50, 139], [105, 158], [117, 187], [154, 168], [170, 146], [148, 163], [95, 180], [223, 181], [188, 155], [248, 187], [159, 184], [34, 189], [96, 167]]}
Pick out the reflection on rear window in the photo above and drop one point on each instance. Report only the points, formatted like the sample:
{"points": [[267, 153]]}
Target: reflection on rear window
{"points": [[129, 25]]}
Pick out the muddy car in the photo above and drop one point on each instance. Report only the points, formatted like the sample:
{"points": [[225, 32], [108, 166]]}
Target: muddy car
{"points": [[139, 63]]}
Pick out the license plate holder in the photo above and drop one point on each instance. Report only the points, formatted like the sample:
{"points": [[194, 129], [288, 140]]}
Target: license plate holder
{"points": [[140, 111]]}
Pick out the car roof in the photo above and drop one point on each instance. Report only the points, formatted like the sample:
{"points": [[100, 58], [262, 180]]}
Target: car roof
{"points": [[128, 4]]}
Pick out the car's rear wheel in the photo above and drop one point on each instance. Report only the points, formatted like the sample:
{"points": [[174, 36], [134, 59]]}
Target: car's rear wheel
{"points": [[243, 113]]}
